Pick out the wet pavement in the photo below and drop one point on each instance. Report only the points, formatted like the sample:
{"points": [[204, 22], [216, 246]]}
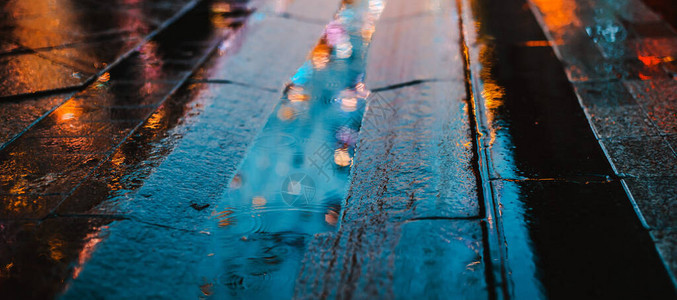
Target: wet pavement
{"points": [[562, 208], [64, 45], [620, 57], [336, 149]]}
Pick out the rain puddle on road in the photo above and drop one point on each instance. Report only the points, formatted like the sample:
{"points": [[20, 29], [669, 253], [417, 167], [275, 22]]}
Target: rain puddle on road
{"points": [[293, 181]]}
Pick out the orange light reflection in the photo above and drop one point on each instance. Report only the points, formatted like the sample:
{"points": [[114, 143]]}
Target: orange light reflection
{"points": [[559, 15]]}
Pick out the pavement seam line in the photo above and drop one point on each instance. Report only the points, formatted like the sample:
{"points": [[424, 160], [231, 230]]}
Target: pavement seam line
{"points": [[289, 16], [405, 84], [492, 229], [227, 81], [22, 132]]}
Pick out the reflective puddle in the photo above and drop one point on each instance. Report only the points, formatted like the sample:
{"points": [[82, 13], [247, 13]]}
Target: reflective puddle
{"points": [[294, 178]]}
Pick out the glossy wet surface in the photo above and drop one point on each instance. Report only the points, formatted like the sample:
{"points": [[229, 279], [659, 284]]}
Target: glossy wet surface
{"points": [[293, 181], [57, 45], [620, 58], [324, 149], [559, 199]]}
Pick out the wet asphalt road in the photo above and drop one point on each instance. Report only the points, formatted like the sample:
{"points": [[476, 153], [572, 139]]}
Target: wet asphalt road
{"points": [[311, 149]]}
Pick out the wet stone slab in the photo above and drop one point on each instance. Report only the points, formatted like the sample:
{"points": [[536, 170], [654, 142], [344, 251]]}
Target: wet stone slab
{"points": [[264, 43], [654, 48], [29, 73], [584, 61], [670, 69], [146, 67], [412, 161], [440, 257], [196, 170], [188, 52], [151, 12], [655, 29], [43, 173], [643, 156], [91, 57], [398, 10], [419, 136], [414, 155], [67, 145], [62, 44], [311, 11], [636, 11], [591, 68], [61, 151], [629, 121], [136, 90], [87, 111], [666, 242], [65, 21], [167, 4], [613, 111], [94, 120], [195, 33], [659, 99], [421, 258], [422, 47], [656, 198], [604, 95], [573, 226], [82, 110], [132, 248], [590, 52], [210, 146], [136, 158], [563, 232], [53, 250], [15, 116], [293, 180], [117, 94], [62, 26], [214, 123], [51, 128], [27, 206]]}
